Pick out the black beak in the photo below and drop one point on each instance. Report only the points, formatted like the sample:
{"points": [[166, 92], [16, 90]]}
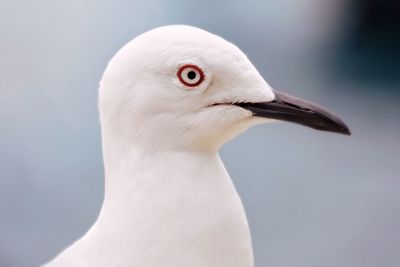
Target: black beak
{"points": [[292, 109]]}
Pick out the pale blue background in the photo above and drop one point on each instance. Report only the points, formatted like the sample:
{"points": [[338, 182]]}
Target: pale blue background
{"points": [[312, 198]]}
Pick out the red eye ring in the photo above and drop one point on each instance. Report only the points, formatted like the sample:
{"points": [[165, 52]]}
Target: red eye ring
{"points": [[190, 75]]}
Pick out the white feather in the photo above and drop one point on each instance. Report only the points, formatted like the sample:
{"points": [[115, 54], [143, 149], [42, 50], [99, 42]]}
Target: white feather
{"points": [[169, 201]]}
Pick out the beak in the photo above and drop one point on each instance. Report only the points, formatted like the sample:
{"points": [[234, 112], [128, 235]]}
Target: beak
{"points": [[292, 109]]}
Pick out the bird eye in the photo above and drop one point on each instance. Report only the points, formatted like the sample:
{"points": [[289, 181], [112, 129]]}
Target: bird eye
{"points": [[190, 75]]}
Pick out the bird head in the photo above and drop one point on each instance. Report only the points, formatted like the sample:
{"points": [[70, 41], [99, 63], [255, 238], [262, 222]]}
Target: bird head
{"points": [[184, 88]]}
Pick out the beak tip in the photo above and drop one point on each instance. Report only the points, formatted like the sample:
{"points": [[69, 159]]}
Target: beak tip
{"points": [[345, 130], [341, 127], [336, 125]]}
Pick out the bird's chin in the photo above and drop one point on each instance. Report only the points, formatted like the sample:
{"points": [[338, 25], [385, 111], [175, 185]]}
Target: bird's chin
{"points": [[238, 115], [227, 114]]}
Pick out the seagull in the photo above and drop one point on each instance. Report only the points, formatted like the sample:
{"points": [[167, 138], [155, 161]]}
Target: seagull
{"points": [[168, 100]]}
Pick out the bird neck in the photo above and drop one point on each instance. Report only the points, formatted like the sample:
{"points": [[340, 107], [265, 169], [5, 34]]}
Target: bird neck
{"points": [[170, 201], [139, 171]]}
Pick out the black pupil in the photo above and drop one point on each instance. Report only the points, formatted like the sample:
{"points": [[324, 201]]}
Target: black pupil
{"points": [[191, 75]]}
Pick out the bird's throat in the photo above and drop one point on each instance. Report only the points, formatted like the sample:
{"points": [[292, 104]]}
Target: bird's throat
{"points": [[171, 202]]}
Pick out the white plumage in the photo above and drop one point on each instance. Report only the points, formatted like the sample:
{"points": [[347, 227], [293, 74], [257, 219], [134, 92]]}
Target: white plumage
{"points": [[169, 201]]}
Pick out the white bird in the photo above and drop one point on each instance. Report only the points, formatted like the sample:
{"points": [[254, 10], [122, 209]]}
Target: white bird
{"points": [[168, 100]]}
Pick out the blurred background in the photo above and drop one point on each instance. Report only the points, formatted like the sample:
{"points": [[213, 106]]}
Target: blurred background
{"points": [[312, 198]]}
